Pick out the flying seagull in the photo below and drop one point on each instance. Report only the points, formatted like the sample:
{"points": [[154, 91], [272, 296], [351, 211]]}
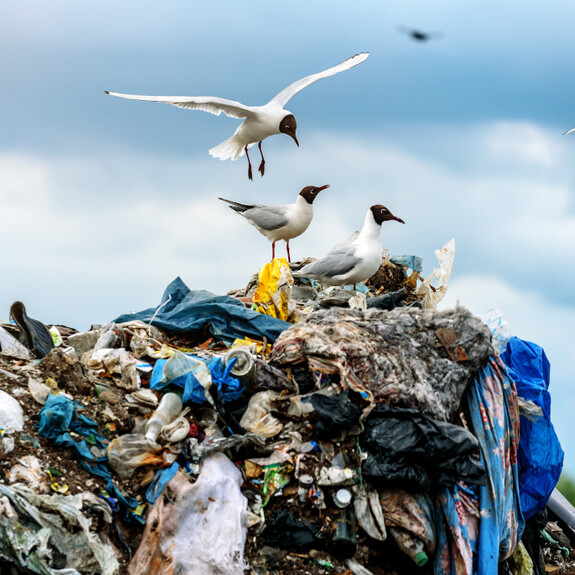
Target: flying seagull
{"points": [[355, 262], [418, 35], [259, 121], [283, 222]]}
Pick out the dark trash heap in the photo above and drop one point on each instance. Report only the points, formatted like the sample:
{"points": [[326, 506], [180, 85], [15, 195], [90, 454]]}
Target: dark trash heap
{"points": [[373, 435]]}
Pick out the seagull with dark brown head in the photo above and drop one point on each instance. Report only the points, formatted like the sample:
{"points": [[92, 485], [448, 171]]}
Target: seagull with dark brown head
{"points": [[259, 122], [282, 222], [354, 262]]}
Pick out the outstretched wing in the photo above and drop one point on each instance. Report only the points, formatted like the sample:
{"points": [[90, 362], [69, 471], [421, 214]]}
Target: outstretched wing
{"points": [[287, 93], [208, 104], [569, 131]]}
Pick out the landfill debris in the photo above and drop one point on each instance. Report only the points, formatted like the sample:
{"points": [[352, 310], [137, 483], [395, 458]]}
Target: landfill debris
{"points": [[368, 433]]}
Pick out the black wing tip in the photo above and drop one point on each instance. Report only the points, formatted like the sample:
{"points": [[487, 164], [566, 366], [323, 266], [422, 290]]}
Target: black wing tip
{"points": [[106, 92]]}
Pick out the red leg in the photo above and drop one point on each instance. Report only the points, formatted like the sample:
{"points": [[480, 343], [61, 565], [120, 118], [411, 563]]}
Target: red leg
{"points": [[273, 250], [249, 163], [263, 162], [287, 246]]}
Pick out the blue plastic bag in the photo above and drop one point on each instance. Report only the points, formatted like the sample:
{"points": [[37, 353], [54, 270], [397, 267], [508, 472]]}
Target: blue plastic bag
{"points": [[540, 456]]}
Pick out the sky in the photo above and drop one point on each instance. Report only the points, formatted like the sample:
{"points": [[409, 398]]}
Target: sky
{"points": [[104, 201]]}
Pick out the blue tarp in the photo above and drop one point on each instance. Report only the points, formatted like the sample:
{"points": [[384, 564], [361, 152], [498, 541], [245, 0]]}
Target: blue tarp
{"points": [[540, 457], [226, 318]]}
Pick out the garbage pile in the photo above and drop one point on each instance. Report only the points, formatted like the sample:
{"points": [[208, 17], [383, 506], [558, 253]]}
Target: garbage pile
{"points": [[281, 427]]}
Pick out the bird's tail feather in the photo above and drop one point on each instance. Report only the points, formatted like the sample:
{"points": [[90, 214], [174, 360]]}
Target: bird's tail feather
{"points": [[236, 205], [230, 148]]}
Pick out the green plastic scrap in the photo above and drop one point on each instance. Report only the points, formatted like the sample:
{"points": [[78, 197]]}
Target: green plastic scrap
{"points": [[274, 480], [550, 539]]}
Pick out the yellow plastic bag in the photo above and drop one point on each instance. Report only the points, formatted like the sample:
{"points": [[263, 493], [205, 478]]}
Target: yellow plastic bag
{"points": [[273, 296]]}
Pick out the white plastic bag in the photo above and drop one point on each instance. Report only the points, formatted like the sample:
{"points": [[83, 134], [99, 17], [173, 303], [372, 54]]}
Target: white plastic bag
{"points": [[196, 528]]}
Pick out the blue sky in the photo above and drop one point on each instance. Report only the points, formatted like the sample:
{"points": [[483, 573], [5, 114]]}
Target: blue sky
{"points": [[105, 201]]}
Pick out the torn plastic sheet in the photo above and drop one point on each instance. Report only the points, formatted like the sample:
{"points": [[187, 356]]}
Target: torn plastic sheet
{"points": [[11, 347], [196, 528], [433, 295], [35, 528], [11, 414], [117, 361], [407, 357], [540, 457], [183, 311]]}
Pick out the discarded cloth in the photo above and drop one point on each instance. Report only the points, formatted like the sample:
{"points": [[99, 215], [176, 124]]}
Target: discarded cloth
{"points": [[183, 311], [406, 357], [479, 526], [540, 457]]}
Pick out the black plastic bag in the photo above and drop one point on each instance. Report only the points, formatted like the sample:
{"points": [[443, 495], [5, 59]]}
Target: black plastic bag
{"points": [[409, 449]]}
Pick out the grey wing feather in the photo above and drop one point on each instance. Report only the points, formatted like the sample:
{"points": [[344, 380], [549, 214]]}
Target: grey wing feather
{"points": [[287, 93], [335, 263], [212, 105], [268, 217]]}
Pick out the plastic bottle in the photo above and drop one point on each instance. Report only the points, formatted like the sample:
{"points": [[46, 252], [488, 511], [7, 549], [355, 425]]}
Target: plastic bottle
{"points": [[343, 539], [167, 411], [410, 545]]}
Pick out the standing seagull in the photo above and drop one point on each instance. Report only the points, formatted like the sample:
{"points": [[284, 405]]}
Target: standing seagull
{"points": [[283, 222], [354, 262], [259, 121]]}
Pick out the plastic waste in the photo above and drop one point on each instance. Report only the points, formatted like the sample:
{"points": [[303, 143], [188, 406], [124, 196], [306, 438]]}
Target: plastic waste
{"points": [[273, 295], [342, 541], [499, 327], [39, 391], [11, 414], [29, 471], [257, 417], [387, 300], [342, 498], [431, 295], [42, 527], [169, 408], [539, 469], [11, 347], [286, 532], [369, 513], [196, 528], [33, 333], [406, 448], [128, 452], [226, 318], [410, 545]]}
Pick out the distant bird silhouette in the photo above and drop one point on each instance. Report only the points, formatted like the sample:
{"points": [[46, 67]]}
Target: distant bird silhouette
{"points": [[283, 222], [259, 122], [418, 35]]}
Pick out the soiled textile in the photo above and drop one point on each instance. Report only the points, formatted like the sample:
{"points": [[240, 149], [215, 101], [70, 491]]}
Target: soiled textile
{"points": [[479, 527], [402, 357]]}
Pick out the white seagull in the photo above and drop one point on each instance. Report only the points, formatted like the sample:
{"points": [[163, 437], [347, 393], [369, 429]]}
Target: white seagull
{"points": [[355, 262], [259, 121], [569, 131], [283, 222]]}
